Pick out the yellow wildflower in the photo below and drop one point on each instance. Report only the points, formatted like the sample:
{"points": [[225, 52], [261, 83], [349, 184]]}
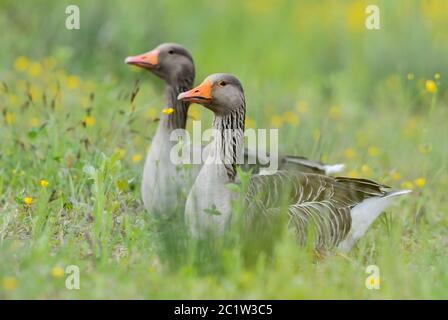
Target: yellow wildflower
{"points": [[43, 183], [420, 182], [425, 148], [13, 99], [136, 157], [57, 272], [168, 110], [249, 122], [431, 86], [34, 122], [407, 185], [355, 16], [349, 153], [335, 113], [10, 119], [122, 185], [410, 76], [412, 124], [258, 8], [374, 281], [120, 152], [302, 107], [365, 169], [353, 174], [395, 175], [89, 121], [246, 279], [437, 76], [72, 82], [35, 93], [21, 63], [28, 201], [291, 118], [9, 283], [276, 121], [35, 69], [373, 151]]}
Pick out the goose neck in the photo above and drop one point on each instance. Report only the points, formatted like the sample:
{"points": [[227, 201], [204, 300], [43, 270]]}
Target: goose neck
{"points": [[176, 118], [228, 140]]}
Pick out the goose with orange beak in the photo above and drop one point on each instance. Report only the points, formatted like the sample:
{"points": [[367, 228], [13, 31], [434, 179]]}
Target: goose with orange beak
{"points": [[146, 60], [163, 184], [163, 180], [202, 94], [337, 211]]}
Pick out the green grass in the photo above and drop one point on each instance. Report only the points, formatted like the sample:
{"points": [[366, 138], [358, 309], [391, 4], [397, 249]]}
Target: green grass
{"points": [[338, 93]]}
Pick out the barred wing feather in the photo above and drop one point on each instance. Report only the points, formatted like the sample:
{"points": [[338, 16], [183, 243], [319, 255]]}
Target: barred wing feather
{"points": [[315, 204]]}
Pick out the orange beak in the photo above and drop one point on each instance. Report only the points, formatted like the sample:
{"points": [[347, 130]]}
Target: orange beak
{"points": [[147, 60], [201, 94]]}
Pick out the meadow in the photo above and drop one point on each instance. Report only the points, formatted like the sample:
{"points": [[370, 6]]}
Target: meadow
{"points": [[76, 123]]}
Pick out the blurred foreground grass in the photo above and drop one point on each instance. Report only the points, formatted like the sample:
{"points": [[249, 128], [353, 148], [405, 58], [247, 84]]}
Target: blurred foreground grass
{"points": [[73, 143]]}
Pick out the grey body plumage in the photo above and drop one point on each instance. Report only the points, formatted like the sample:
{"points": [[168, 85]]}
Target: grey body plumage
{"points": [[336, 210]]}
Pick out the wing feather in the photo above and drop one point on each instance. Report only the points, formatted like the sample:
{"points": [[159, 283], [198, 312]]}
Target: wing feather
{"points": [[315, 204]]}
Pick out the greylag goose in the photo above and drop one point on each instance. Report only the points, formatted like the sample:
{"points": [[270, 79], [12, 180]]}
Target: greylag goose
{"points": [[162, 179], [337, 210]]}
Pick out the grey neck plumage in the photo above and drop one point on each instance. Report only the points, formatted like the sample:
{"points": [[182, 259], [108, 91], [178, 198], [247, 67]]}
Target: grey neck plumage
{"points": [[178, 118], [228, 139]]}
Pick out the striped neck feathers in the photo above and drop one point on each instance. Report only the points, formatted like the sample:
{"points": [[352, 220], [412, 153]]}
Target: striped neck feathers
{"points": [[228, 140]]}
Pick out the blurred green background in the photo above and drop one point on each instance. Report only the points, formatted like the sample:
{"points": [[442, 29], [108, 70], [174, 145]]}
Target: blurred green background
{"points": [[374, 99], [285, 44]]}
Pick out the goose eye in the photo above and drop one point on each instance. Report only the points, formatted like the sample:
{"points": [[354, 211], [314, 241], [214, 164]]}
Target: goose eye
{"points": [[171, 52], [222, 83]]}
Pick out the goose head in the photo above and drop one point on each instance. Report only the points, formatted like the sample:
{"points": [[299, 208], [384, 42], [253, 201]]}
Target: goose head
{"points": [[220, 92], [170, 61]]}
